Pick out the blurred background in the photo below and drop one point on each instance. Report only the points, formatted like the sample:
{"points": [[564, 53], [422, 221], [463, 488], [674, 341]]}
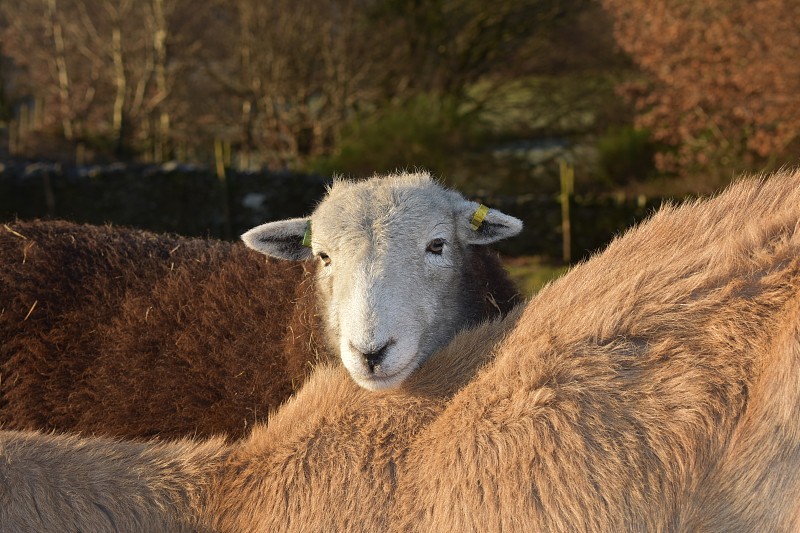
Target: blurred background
{"points": [[206, 117]]}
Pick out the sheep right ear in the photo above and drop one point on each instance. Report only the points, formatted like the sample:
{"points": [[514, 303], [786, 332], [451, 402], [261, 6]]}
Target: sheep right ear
{"points": [[284, 239], [486, 225]]}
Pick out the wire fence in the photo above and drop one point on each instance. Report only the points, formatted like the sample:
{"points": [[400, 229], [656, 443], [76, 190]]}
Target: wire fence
{"points": [[197, 201]]}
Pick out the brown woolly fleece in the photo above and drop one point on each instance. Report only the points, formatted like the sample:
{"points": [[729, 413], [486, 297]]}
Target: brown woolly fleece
{"points": [[653, 388], [126, 333]]}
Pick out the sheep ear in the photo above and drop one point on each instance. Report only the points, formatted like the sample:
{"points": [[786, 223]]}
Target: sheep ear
{"points": [[284, 239], [483, 225]]}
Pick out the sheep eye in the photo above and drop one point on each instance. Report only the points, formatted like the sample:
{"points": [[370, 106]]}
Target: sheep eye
{"points": [[435, 246], [325, 258]]}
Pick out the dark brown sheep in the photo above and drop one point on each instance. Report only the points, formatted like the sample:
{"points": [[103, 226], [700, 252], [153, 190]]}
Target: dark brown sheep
{"points": [[123, 332]]}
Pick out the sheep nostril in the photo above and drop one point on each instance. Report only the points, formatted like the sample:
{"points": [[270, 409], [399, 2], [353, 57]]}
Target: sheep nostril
{"points": [[374, 356]]}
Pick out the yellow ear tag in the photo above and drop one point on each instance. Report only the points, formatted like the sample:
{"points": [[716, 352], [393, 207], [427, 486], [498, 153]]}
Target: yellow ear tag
{"points": [[477, 218], [307, 235]]}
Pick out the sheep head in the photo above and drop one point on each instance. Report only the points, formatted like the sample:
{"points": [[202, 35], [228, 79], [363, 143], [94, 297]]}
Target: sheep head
{"points": [[393, 271]]}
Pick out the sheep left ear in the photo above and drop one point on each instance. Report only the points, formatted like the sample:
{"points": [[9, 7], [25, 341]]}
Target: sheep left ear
{"points": [[285, 239], [482, 225]]}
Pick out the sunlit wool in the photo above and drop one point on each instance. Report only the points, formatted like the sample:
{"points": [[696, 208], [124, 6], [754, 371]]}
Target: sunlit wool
{"points": [[652, 388]]}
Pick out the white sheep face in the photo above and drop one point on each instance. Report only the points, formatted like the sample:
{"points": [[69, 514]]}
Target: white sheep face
{"points": [[391, 273]]}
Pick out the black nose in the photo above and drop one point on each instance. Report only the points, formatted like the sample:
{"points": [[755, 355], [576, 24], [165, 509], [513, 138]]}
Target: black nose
{"points": [[373, 357]]}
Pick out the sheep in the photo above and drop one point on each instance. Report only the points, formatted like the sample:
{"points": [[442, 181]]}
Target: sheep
{"points": [[126, 333], [651, 388], [398, 259]]}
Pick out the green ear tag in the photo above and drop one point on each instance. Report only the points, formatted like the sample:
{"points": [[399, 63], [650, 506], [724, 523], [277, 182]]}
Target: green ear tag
{"points": [[307, 235], [477, 218]]}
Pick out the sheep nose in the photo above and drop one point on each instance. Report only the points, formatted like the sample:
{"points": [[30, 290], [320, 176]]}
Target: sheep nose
{"points": [[373, 356]]}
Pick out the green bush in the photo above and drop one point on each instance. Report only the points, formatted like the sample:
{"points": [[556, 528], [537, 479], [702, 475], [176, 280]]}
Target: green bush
{"points": [[426, 131]]}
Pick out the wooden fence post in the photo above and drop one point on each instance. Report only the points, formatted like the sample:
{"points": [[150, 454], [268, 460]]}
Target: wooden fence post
{"points": [[567, 176], [13, 137], [80, 154], [219, 157], [23, 129]]}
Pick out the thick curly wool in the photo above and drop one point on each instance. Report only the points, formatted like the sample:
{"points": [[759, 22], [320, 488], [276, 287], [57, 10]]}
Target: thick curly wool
{"points": [[121, 332]]}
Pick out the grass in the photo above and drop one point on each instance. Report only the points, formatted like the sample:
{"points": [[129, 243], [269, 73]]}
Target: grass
{"points": [[531, 273]]}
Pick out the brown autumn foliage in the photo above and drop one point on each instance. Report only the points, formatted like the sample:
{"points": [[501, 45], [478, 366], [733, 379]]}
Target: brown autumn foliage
{"points": [[724, 78]]}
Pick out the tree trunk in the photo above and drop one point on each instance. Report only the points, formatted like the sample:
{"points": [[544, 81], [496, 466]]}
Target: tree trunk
{"points": [[61, 69], [160, 50], [120, 83]]}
